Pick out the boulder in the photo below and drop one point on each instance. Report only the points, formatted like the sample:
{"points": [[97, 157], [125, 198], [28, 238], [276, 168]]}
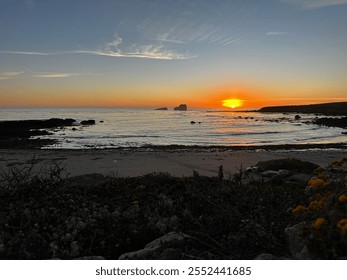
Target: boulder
{"points": [[181, 107], [290, 164], [269, 257], [91, 258], [296, 244], [164, 247]]}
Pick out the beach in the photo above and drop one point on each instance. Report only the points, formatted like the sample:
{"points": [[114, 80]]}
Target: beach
{"points": [[141, 161], [171, 199]]}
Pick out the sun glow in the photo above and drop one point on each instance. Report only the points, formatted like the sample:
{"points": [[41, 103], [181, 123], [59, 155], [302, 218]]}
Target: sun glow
{"points": [[232, 103]]}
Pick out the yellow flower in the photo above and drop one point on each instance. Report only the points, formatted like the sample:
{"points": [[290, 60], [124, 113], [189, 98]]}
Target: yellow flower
{"points": [[317, 183], [342, 198], [299, 209], [135, 202], [337, 162], [318, 223], [316, 205], [342, 225]]}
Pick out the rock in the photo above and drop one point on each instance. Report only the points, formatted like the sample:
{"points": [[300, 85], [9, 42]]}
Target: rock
{"points": [[17, 133], [192, 122], [157, 247], [297, 117], [171, 254], [181, 107], [283, 172], [74, 129], [269, 173], [296, 243], [266, 257], [269, 257], [333, 122], [88, 122], [93, 258], [252, 169], [302, 178], [162, 109], [290, 164]]}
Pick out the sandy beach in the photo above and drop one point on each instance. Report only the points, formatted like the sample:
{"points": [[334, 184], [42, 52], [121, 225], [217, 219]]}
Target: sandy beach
{"points": [[177, 162]]}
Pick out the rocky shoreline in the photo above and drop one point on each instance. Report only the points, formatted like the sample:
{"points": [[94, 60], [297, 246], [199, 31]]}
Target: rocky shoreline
{"points": [[18, 134]]}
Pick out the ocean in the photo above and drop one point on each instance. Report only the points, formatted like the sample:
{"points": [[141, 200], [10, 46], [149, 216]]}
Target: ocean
{"points": [[138, 127]]}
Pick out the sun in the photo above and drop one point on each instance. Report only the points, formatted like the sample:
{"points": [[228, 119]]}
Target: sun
{"points": [[232, 103]]}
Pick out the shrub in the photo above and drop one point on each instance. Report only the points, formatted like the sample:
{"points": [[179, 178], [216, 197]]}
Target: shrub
{"points": [[325, 214]]}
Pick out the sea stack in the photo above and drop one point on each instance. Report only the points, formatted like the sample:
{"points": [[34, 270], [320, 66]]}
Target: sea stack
{"points": [[181, 107]]}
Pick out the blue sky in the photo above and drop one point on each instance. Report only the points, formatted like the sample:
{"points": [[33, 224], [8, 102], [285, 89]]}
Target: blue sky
{"points": [[119, 53]]}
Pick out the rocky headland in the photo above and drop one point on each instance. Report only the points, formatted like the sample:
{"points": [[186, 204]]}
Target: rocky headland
{"points": [[333, 109]]}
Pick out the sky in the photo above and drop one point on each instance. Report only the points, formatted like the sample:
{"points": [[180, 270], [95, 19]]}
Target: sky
{"points": [[157, 53]]}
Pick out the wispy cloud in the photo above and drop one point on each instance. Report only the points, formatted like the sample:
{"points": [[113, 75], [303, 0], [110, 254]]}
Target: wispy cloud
{"points": [[276, 33], [34, 74], [9, 75], [12, 73], [28, 53], [54, 75], [312, 4], [152, 51], [165, 37], [115, 48]]}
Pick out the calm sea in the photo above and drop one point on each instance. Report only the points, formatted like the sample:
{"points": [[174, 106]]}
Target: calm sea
{"points": [[135, 127]]}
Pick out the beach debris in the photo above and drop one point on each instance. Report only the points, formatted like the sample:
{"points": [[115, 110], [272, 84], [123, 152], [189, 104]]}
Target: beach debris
{"points": [[181, 107]]}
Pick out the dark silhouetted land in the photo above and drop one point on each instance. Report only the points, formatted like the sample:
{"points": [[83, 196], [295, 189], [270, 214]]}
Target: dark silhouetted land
{"points": [[336, 108]]}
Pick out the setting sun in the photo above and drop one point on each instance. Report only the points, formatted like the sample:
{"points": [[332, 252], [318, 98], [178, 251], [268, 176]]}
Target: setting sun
{"points": [[232, 103]]}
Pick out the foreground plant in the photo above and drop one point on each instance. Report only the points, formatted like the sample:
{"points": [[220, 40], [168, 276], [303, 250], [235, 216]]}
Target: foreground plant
{"points": [[325, 214]]}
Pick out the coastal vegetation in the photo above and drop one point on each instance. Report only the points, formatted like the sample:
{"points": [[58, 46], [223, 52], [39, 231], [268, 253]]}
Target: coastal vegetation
{"points": [[46, 215]]}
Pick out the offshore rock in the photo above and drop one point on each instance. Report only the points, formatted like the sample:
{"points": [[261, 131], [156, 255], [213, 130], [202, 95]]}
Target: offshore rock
{"points": [[181, 107]]}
